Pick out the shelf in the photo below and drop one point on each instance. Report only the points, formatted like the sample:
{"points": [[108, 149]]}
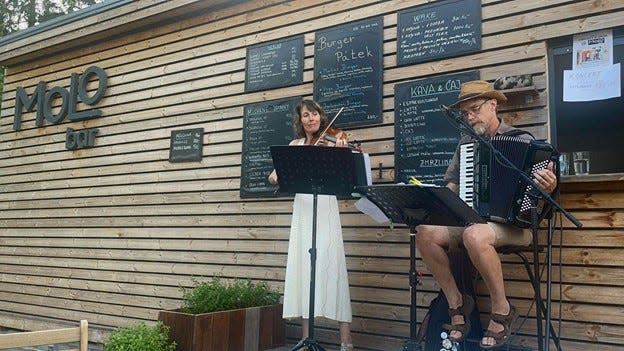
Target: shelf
{"points": [[521, 91]]}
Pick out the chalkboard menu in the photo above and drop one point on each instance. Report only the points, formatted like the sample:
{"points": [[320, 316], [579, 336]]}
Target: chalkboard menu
{"points": [[348, 71], [442, 29], [265, 124], [424, 139], [186, 145], [274, 64]]}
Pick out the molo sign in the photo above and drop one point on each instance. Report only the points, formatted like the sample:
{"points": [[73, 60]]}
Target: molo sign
{"points": [[43, 100]]}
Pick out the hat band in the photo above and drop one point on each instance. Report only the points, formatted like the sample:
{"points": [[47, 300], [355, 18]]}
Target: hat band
{"points": [[470, 96]]}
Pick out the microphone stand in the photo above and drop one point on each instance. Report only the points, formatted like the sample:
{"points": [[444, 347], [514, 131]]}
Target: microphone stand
{"points": [[465, 127]]}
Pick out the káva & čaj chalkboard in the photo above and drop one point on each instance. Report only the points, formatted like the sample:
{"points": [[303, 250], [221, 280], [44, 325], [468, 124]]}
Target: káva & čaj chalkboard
{"points": [[442, 29], [348, 70], [424, 138], [186, 145], [274, 64], [265, 124]]}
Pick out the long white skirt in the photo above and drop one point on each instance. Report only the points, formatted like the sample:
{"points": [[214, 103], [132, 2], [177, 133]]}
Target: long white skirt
{"points": [[332, 299]]}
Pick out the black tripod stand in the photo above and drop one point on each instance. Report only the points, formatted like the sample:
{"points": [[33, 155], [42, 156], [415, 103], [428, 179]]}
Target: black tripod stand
{"points": [[415, 205], [314, 170]]}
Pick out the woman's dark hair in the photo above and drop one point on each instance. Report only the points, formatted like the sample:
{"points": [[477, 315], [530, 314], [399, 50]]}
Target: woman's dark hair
{"points": [[311, 105]]}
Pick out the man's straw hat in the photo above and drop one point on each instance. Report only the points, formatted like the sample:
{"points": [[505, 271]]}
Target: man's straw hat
{"points": [[478, 89]]}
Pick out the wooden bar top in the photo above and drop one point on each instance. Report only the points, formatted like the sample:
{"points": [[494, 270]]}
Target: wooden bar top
{"points": [[612, 181]]}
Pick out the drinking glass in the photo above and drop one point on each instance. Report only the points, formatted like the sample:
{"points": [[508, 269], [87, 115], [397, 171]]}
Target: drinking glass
{"points": [[564, 163], [581, 162]]}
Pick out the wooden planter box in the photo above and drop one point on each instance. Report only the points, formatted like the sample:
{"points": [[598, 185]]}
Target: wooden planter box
{"points": [[249, 329]]}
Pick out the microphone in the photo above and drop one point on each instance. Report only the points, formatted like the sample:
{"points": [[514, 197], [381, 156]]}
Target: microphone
{"points": [[449, 112], [457, 119], [452, 115]]}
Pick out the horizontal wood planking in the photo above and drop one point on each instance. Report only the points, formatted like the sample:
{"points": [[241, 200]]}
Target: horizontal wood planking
{"points": [[120, 224]]}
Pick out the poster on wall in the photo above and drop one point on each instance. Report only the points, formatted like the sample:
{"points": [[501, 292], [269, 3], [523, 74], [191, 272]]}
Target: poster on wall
{"points": [[442, 29], [424, 138], [348, 71], [274, 64], [593, 75], [265, 124], [593, 49]]}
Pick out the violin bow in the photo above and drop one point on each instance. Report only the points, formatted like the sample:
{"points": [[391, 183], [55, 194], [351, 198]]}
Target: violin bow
{"points": [[328, 125]]}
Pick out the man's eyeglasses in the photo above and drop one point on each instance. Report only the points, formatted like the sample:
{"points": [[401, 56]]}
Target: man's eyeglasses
{"points": [[472, 109]]}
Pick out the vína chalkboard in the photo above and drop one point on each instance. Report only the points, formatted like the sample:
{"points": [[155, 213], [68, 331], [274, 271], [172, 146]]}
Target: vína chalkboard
{"points": [[186, 145], [348, 69], [442, 29], [265, 124], [274, 64], [424, 139]]}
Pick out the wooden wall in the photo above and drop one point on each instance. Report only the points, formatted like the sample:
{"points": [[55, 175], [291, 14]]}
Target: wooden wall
{"points": [[109, 234]]}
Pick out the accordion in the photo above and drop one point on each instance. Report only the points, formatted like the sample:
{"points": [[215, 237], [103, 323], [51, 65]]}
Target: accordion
{"points": [[496, 191]]}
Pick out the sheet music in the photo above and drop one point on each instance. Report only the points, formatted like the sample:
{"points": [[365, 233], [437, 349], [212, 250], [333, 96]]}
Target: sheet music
{"points": [[367, 207], [367, 164]]}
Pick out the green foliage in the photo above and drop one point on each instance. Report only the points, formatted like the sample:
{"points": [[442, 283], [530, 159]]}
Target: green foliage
{"points": [[20, 14], [140, 337], [217, 295]]}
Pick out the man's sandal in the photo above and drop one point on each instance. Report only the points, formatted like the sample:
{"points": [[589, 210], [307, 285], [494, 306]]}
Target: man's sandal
{"points": [[464, 310], [501, 337]]}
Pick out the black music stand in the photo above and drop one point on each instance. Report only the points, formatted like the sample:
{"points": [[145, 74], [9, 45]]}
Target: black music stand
{"points": [[314, 170], [415, 205]]}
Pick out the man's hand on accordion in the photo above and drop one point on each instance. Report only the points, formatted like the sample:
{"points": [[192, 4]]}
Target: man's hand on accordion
{"points": [[546, 178]]}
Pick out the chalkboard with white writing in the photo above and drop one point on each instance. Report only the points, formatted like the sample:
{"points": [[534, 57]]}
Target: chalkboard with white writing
{"points": [[265, 124], [348, 69], [274, 64], [424, 138], [186, 145], [442, 29]]}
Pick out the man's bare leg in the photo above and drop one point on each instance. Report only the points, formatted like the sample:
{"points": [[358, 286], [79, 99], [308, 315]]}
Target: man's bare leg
{"points": [[432, 242]]}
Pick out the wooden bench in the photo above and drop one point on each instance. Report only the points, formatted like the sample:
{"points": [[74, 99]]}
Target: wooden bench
{"points": [[47, 337]]}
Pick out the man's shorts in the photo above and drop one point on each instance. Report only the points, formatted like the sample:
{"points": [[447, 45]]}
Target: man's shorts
{"points": [[506, 234]]}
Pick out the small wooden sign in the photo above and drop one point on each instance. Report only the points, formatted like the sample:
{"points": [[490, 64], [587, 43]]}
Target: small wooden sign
{"points": [[186, 145]]}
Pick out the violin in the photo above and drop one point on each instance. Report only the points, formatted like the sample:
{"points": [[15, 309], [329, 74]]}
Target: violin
{"points": [[333, 134]]}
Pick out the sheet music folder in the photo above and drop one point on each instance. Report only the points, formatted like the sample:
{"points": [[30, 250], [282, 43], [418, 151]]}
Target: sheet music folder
{"points": [[421, 204]]}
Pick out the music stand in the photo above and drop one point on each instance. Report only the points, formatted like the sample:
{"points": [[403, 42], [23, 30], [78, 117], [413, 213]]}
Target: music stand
{"points": [[414, 205], [314, 170]]}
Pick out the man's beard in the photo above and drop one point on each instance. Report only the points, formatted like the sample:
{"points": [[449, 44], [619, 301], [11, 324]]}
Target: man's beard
{"points": [[480, 128]]}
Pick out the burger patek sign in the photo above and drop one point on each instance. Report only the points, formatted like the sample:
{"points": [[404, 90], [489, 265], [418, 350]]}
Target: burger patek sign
{"points": [[42, 100]]}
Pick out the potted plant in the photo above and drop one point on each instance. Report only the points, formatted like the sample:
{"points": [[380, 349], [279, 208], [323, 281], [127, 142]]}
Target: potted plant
{"points": [[235, 316], [140, 337]]}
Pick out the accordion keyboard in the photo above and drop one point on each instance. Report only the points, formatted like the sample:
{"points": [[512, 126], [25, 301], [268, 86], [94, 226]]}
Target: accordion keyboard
{"points": [[466, 173]]}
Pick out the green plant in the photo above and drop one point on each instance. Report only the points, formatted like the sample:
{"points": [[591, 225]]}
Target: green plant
{"points": [[217, 295], [140, 337]]}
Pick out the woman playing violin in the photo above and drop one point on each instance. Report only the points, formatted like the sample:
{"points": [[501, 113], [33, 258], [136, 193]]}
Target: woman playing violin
{"points": [[332, 298]]}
